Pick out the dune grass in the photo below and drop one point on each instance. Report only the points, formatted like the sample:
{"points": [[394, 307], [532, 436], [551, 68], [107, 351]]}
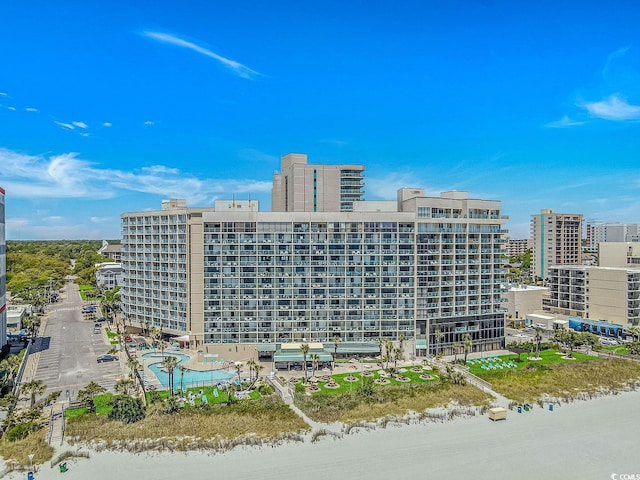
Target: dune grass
{"points": [[193, 428], [533, 381], [15, 453], [391, 400]]}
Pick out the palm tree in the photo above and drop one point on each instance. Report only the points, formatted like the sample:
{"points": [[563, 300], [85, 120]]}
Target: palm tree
{"points": [[10, 365], [456, 349], [257, 368], [238, 366], [401, 340], [468, 345], [33, 388], [336, 342], [182, 369], [397, 351], [634, 332], [124, 385], [88, 393], [110, 303], [538, 339], [315, 359], [133, 365], [251, 364], [170, 363], [380, 346], [304, 348], [439, 336], [390, 351]]}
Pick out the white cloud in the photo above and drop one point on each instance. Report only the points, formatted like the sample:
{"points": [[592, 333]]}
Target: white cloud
{"points": [[107, 124], [100, 219], [30, 109], [160, 169], [11, 108], [68, 126], [148, 123], [613, 108], [239, 69], [53, 218], [3, 94], [84, 134], [67, 176], [564, 122], [80, 124]]}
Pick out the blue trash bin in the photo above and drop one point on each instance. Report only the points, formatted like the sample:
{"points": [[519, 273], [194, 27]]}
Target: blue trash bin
{"points": [[29, 475], [519, 409], [551, 407]]}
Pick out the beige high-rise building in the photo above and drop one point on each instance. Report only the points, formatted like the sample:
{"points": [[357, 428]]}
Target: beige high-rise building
{"points": [[236, 276], [557, 240], [304, 187]]}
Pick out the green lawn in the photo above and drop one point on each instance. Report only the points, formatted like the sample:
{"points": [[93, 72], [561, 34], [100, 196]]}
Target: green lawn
{"points": [[208, 391], [352, 386], [619, 349], [547, 357], [102, 406], [84, 289]]}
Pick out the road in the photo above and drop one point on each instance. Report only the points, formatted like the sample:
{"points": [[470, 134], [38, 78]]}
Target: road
{"points": [[68, 348]]}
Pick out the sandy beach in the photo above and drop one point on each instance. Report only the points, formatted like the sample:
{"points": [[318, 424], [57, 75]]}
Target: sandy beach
{"points": [[582, 440]]}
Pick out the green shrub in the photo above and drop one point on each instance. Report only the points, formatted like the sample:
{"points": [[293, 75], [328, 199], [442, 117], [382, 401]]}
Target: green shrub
{"points": [[126, 409], [20, 431], [266, 390]]}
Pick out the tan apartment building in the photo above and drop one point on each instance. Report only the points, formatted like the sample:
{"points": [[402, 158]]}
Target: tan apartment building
{"points": [[518, 246], [556, 240], [611, 294], [619, 254]]}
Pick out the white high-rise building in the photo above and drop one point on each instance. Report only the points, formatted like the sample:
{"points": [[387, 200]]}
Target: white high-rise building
{"points": [[3, 272], [600, 232], [241, 276]]}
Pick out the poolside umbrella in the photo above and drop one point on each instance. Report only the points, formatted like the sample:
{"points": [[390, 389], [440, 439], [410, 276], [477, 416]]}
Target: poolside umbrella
{"points": [[175, 344]]}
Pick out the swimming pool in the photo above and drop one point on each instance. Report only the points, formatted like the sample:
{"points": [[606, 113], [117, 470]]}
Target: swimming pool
{"points": [[190, 378]]}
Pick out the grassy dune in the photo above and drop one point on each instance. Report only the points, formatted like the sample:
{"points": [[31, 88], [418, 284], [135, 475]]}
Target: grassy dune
{"points": [[16, 452], [388, 401], [565, 379], [209, 427]]}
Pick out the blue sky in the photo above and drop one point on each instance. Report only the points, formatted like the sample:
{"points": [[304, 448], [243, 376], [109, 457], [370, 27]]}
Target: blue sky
{"points": [[108, 107]]}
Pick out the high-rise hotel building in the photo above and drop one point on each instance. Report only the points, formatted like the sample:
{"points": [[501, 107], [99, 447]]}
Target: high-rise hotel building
{"points": [[3, 272], [325, 264]]}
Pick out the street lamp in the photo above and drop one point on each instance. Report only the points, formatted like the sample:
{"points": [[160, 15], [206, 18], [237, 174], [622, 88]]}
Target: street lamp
{"points": [[30, 461]]}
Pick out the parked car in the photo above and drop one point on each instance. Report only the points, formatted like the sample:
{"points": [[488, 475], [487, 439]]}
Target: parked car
{"points": [[89, 309], [96, 330], [107, 358], [101, 319]]}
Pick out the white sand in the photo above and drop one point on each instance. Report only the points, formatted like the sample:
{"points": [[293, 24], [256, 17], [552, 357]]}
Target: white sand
{"points": [[582, 440]]}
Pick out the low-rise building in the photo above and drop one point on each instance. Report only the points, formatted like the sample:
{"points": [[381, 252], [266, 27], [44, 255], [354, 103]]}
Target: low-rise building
{"points": [[108, 275], [523, 300], [111, 250]]}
